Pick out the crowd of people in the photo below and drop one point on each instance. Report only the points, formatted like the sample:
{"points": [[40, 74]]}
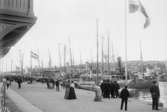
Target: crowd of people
{"points": [[19, 80], [110, 89]]}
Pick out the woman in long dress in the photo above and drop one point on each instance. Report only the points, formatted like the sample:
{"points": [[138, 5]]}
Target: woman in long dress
{"points": [[67, 91], [72, 94]]}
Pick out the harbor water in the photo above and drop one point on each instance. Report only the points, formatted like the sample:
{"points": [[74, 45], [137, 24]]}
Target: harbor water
{"points": [[163, 93], [146, 96]]}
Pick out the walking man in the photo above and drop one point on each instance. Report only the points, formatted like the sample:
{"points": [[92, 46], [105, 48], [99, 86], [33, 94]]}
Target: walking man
{"points": [[124, 97], [57, 85], [7, 83], [155, 93], [19, 81]]}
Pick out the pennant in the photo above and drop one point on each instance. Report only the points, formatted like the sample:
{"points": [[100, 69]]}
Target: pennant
{"points": [[34, 55]]}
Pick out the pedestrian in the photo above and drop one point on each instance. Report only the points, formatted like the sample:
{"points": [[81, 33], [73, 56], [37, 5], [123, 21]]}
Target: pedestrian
{"points": [[67, 89], [62, 83], [57, 85], [102, 87], [47, 83], [7, 83], [53, 83], [105, 89], [19, 81], [116, 89], [112, 87], [72, 94], [155, 93], [108, 89], [124, 98]]}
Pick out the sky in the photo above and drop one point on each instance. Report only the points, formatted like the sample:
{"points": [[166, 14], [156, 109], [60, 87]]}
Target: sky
{"points": [[59, 21]]}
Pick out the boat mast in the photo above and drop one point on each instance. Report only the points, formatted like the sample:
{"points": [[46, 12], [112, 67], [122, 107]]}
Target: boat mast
{"points": [[71, 60], [21, 59], [64, 58], [108, 53], [141, 60], [6, 65], [80, 58], [113, 56], [59, 52], [31, 63], [80, 64], [11, 65], [102, 59], [39, 65], [125, 31]]}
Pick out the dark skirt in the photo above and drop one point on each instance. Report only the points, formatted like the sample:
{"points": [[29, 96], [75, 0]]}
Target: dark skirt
{"points": [[67, 91], [72, 94]]}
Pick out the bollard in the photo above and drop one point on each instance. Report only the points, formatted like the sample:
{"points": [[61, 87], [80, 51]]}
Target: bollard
{"points": [[95, 88], [98, 93]]}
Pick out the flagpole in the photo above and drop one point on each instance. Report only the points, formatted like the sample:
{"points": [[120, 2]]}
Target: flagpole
{"points": [[125, 29], [97, 28]]}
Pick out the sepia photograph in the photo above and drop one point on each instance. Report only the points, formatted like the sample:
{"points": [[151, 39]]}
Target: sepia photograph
{"points": [[83, 56]]}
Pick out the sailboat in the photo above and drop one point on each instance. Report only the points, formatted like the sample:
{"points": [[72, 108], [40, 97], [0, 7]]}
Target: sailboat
{"points": [[95, 78], [140, 82]]}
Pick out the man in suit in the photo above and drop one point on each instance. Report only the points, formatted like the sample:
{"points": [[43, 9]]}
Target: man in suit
{"points": [[116, 89], [124, 97], [155, 93]]}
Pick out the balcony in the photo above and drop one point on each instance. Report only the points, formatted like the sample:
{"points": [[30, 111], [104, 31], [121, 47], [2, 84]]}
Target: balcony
{"points": [[16, 18]]}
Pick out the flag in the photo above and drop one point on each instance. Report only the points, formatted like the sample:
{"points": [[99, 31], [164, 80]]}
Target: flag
{"points": [[34, 55], [136, 5], [133, 6]]}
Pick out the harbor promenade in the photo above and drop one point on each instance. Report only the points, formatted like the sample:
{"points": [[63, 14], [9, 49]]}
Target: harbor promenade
{"points": [[49, 100]]}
